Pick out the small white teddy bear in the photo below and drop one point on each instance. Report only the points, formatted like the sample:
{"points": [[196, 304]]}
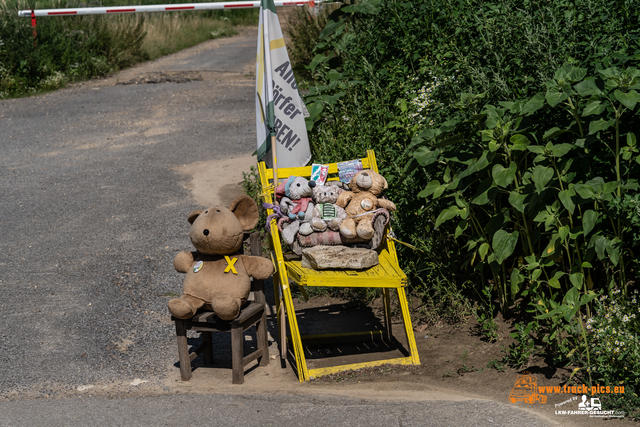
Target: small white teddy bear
{"points": [[326, 214]]}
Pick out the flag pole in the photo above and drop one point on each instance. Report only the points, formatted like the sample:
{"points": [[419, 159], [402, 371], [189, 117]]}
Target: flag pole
{"points": [[270, 111], [271, 125], [275, 160]]}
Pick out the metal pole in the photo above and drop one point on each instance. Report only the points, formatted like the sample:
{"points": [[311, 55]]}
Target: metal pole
{"points": [[159, 8], [267, 74]]}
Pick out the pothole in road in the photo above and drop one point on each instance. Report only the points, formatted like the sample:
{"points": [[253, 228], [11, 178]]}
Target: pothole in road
{"points": [[156, 78]]}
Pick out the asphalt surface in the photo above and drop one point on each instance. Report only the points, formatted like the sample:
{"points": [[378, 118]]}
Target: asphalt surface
{"points": [[93, 213], [234, 411]]}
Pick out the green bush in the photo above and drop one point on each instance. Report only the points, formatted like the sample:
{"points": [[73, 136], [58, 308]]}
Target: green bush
{"points": [[613, 334], [538, 201], [67, 49], [485, 110], [389, 72]]}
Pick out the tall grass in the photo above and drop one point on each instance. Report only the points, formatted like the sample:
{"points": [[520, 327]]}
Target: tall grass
{"points": [[304, 29], [171, 32]]}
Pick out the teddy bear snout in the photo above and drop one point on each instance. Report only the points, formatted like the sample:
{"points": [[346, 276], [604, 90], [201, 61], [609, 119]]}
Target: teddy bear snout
{"points": [[364, 181], [312, 184], [205, 232]]}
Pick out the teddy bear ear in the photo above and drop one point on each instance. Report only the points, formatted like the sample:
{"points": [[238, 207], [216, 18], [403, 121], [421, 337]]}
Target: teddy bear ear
{"points": [[193, 215], [246, 210]]}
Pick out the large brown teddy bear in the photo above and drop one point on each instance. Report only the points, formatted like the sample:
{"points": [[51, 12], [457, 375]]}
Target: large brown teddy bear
{"points": [[365, 187], [218, 277]]}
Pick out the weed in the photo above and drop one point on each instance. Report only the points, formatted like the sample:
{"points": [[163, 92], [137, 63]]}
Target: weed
{"points": [[449, 374], [465, 369], [523, 349], [170, 294], [252, 187], [305, 28], [495, 364], [484, 314]]}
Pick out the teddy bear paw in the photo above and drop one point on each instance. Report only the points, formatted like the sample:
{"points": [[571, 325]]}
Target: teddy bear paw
{"points": [[226, 307], [347, 232], [365, 232], [305, 229], [289, 233], [334, 224], [181, 308], [318, 225]]}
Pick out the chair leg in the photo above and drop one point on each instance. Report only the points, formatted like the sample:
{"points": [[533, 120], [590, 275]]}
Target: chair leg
{"points": [[282, 335], [263, 342], [387, 314], [207, 342], [183, 351], [237, 354]]}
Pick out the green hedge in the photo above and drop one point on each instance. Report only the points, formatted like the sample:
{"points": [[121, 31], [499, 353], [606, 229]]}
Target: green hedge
{"points": [[389, 72]]}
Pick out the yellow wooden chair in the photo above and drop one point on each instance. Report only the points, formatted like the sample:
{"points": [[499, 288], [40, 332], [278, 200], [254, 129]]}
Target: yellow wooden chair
{"points": [[386, 275]]}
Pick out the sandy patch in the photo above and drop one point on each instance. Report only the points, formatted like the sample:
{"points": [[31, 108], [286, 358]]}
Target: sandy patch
{"points": [[217, 182]]}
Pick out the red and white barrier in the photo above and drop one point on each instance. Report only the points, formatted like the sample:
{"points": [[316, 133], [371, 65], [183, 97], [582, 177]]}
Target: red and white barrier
{"points": [[158, 8]]}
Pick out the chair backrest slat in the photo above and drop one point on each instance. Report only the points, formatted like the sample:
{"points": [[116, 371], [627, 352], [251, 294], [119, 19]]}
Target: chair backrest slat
{"points": [[257, 286], [305, 171]]}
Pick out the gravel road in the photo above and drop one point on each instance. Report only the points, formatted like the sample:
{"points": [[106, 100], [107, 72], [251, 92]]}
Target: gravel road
{"points": [[93, 208]]}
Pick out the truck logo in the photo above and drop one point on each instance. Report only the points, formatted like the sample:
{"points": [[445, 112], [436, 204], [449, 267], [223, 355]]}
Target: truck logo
{"points": [[589, 406], [526, 389]]}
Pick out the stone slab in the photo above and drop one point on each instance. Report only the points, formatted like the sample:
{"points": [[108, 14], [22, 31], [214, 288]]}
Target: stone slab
{"points": [[338, 257]]}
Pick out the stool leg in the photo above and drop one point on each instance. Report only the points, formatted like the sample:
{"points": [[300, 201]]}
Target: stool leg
{"points": [[183, 351], [263, 342], [207, 342], [237, 354]]}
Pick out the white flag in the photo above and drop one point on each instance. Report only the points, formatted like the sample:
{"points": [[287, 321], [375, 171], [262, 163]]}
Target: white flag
{"points": [[279, 107]]}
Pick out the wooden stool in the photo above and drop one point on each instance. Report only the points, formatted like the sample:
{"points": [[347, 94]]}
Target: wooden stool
{"points": [[206, 322]]}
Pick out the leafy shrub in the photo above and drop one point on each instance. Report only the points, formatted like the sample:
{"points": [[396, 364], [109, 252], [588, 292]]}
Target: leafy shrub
{"points": [[67, 49], [251, 187], [375, 65], [542, 194], [486, 109], [520, 352], [540, 189], [614, 333]]}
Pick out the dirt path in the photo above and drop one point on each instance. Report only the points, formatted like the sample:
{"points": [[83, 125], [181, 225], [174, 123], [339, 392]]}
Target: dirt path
{"points": [[96, 183]]}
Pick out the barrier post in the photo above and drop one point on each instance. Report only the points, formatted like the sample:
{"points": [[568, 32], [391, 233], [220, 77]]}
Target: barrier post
{"points": [[33, 25]]}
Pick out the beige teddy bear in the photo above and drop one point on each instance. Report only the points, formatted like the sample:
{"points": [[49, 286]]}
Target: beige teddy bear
{"points": [[218, 277], [359, 203]]}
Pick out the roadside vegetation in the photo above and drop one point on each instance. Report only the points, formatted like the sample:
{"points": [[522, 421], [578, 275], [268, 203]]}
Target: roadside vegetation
{"points": [[73, 48], [508, 131]]}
